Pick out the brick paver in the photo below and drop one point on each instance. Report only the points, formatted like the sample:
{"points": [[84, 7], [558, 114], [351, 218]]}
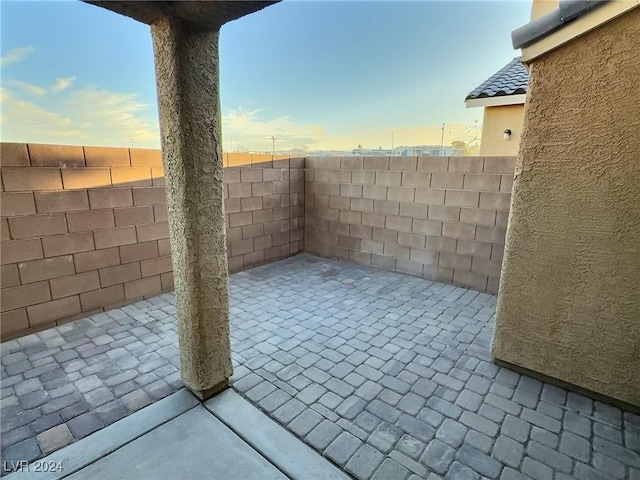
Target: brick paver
{"points": [[65, 383], [388, 375]]}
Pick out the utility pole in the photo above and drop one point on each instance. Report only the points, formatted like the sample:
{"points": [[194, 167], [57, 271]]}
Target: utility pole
{"points": [[131, 142], [273, 144], [442, 140], [393, 139]]}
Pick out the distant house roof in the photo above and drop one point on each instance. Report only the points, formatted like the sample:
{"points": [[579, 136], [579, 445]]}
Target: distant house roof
{"points": [[511, 79], [508, 86]]}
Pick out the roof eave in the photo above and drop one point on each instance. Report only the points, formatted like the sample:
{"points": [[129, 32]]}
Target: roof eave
{"points": [[541, 27], [502, 100], [584, 20]]}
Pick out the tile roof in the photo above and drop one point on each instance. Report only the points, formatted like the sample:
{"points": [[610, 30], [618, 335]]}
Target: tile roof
{"points": [[511, 79]]}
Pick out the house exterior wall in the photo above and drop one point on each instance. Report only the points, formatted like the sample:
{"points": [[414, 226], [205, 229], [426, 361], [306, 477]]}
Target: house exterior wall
{"points": [[542, 7], [569, 303], [599, 15], [496, 120], [442, 218], [85, 228]]}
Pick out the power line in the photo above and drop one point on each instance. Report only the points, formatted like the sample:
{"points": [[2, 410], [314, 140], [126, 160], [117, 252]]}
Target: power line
{"points": [[273, 144]]}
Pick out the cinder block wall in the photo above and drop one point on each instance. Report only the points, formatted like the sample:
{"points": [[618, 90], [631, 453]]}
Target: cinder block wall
{"points": [[264, 208], [85, 229], [437, 217]]}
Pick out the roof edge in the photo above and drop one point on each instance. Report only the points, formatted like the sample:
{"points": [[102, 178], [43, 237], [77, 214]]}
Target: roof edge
{"points": [[581, 25], [539, 28], [503, 100]]}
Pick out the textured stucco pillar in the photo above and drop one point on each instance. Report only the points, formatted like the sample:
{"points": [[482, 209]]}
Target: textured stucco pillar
{"points": [[186, 62]]}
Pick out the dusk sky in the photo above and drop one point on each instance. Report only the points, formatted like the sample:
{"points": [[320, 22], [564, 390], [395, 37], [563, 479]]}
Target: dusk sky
{"points": [[316, 74]]}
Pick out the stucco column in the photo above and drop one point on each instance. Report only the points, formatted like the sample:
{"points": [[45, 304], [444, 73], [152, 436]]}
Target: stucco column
{"points": [[186, 60]]}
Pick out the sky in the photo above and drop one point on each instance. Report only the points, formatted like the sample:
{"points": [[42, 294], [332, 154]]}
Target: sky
{"points": [[317, 75]]}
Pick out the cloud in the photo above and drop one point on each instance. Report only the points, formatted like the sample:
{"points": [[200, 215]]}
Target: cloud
{"points": [[5, 95], [27, 122], [93, 116], [70, 133], [247, 130], [114, 117], [63, 83], [244, 128], [28, 87], [16, 55], [37, 116], [88, 116]]}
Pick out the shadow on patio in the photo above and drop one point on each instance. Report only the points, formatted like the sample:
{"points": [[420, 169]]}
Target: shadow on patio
{"points": [[387, 375]]}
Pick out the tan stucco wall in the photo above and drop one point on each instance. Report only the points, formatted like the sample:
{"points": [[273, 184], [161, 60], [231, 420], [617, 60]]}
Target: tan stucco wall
{"points": [[584, 23], [496, 121], [569, 302], [542, 7]]}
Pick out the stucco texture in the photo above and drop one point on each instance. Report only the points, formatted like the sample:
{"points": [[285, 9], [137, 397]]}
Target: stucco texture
{"points": [[189, 103], [569, 302], [496, 121]]}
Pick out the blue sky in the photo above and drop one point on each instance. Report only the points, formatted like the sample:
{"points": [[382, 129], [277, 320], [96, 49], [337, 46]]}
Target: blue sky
{"points": [[316, 74]]}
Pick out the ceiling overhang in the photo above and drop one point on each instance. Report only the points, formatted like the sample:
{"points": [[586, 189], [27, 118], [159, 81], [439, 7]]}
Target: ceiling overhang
{"points": [[207, 15]]}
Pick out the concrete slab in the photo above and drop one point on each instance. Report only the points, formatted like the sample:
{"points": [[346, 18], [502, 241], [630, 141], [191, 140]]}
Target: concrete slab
{"points": [[78, 455], [179, 438], [283, 449], [193, 445]]}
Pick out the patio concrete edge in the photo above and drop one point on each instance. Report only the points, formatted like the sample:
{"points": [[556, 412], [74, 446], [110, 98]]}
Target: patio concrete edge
{"points": [[80, 454], [283, 449]]}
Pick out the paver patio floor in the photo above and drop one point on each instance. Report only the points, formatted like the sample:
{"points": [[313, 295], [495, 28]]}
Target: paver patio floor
{"points": [[387, 375]]}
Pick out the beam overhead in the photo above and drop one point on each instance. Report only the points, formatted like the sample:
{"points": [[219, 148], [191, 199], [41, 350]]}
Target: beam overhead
{"points": [[208, 15]]}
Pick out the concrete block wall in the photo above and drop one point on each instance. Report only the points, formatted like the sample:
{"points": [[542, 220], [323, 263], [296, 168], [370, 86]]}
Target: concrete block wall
{"points": [[264, 205], [85, 228], [442, 218]]}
